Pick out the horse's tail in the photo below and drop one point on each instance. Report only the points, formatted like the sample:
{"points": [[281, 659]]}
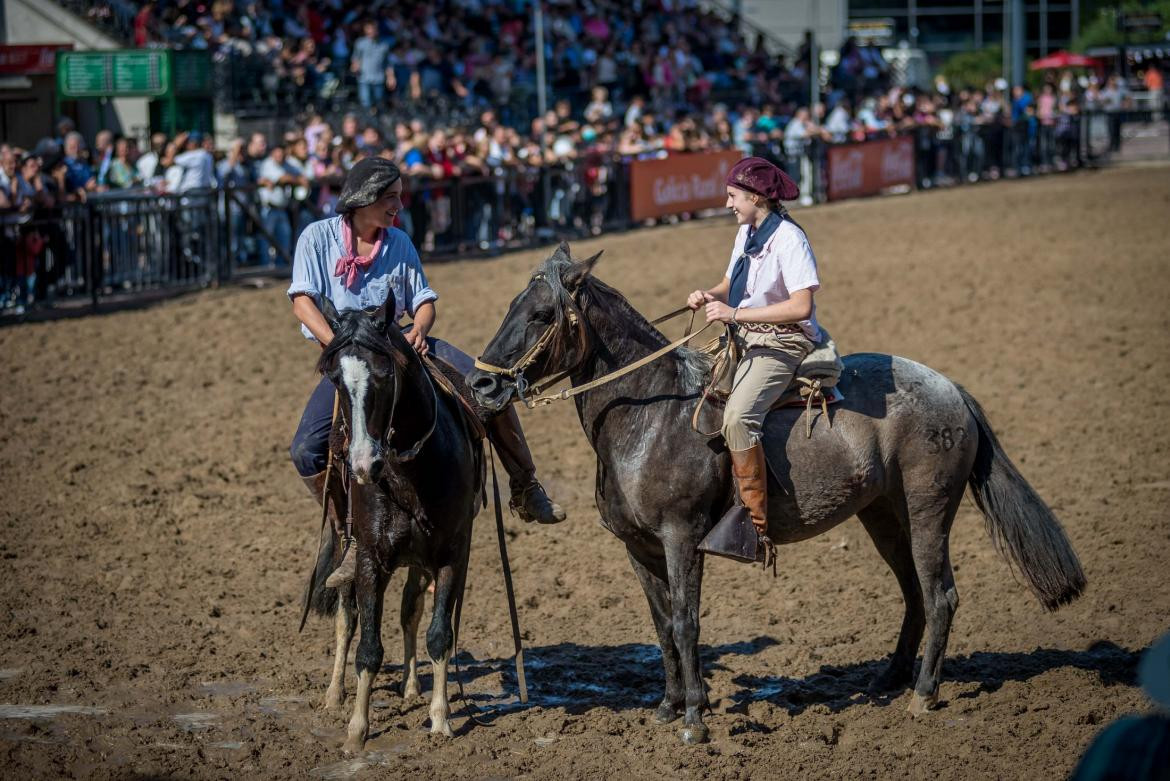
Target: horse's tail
{"points": [[1021, 526], [318, 598]]}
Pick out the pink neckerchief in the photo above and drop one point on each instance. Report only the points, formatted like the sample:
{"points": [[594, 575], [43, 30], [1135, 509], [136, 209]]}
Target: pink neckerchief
{"points": [[350, 266]]}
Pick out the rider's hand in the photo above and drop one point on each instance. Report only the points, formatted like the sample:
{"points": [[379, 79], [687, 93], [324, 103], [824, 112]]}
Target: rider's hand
{"points": [[417, 340], [717, 310], [698, 298]]}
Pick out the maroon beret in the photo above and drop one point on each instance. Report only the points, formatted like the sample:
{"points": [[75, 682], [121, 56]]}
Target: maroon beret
{"points": [[757, 175]]}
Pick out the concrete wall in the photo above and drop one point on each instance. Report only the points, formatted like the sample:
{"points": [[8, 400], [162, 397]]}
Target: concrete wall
{"points": [[43, 21]]}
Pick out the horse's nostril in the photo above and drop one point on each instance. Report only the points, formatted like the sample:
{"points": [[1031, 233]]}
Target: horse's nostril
{"points": [[484, 382], [375, 468]]}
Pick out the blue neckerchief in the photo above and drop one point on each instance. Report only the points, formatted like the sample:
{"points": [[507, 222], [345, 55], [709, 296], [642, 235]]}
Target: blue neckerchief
{"points": [[756, 240]]}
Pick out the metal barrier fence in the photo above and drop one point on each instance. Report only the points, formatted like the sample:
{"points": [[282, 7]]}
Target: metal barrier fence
{"points": [[130, 243]]}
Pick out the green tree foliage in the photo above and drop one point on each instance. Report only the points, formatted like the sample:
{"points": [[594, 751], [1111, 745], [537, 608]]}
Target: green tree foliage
{"points": [[967, 70], [1101, 28]]}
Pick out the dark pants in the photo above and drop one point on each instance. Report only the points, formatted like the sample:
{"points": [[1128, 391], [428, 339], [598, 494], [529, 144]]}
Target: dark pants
{"points": [[310, 445]]}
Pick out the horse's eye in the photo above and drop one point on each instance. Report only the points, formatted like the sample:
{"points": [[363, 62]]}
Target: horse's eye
{"points": [[542, 316]]}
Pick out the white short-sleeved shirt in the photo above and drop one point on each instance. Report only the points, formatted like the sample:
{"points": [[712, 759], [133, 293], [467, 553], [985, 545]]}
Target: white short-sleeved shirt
{"points": [[396, 268], [785, 265]]}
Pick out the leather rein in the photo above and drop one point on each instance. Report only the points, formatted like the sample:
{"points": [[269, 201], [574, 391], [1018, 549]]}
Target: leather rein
{"points": [[523, 387]]}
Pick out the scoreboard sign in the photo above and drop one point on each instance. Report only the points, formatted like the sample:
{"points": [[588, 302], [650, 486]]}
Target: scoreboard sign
{"points": [[113, 74]]}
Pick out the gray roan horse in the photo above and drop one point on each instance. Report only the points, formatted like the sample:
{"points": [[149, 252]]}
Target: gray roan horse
{"points": [[903, 446], [418, 472]]}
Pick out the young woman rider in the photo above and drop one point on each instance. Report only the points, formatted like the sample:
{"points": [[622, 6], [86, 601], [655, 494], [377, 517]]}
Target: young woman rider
{"points": [[354, 259], [767, 298]]}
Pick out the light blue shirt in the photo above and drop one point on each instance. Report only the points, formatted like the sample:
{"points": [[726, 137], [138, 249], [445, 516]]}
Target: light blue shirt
{"points": [[395, 269]]}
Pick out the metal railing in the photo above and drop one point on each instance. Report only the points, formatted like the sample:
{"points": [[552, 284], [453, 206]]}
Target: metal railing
{"points": [[135, 243]]}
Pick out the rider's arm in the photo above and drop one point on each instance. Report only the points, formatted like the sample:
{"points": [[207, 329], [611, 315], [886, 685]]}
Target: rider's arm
{"points": [[305, 309], [798, 307], [309, 284], [424, 318]]}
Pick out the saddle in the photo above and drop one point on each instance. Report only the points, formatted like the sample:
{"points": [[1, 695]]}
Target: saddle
{"points": [[448, 380], [815, 381]]}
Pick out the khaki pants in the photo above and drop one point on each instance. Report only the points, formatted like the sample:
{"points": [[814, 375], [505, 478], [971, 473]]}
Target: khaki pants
{"points": [[765, 370]]}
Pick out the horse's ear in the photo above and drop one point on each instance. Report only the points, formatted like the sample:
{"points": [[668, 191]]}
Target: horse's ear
{"points": [[329, 312], [577, 273], [562, 251], [384, 314]]}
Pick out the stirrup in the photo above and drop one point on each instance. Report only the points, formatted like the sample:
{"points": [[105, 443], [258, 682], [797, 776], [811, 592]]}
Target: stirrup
{"points": [[347, 568], [519, 501]]}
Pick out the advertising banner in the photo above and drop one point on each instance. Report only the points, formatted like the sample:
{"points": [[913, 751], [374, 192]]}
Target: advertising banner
{"points": [[679, 183], [870, 167], [30, 59]]}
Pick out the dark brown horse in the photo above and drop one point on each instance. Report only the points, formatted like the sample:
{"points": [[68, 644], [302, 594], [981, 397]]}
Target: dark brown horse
{"points": [[418, 473], [904, 445]]}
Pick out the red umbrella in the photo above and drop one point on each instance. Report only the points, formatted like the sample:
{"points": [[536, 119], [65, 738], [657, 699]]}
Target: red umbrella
{"points": [[1063, 59]]}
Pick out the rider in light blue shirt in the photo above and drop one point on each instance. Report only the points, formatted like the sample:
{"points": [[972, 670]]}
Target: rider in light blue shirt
{"points": [[396, 268], [355, 260]]}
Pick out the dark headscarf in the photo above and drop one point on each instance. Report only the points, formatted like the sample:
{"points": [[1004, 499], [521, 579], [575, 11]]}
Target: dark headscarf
{"points": [[757, 175], [366, 182]]}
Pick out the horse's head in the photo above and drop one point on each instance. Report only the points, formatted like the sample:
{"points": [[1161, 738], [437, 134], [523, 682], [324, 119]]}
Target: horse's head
{"points": [[365, 361], [543, 336]]}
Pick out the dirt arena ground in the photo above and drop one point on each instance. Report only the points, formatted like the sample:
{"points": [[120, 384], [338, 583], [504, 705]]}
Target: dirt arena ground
{"points": [[155, 537]]}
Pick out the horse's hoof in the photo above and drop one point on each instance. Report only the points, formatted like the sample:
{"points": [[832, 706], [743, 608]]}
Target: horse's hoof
{"points": [[695, 734], [443, 729], [354, 746], [410, 692], [666, 713], [919, 704], [333, 700]]}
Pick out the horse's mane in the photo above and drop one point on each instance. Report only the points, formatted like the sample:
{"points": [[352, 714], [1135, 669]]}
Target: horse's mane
{"points": [[694, 366], [357, 328]]}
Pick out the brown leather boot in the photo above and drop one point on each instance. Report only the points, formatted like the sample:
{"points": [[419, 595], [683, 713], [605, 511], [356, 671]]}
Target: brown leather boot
{"points": [[529, 501], [751, 477], [316, 485]]}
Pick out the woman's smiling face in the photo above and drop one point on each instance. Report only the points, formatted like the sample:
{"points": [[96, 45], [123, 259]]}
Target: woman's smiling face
{"points": [[744, 206], [383, 211]]}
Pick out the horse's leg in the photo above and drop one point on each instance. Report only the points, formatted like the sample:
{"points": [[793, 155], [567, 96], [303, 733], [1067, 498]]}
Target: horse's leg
{"points": [[370, 584], [413, 597], [440, 637], [930, 526], [889, 537], [345, 622], [652, 576], [684, 568]]}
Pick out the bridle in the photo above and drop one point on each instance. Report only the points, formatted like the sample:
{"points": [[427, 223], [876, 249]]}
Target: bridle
{"points": [[384, 446], [516, 371]]}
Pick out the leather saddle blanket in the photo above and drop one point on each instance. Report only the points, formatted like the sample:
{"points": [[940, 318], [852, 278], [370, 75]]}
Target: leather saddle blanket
{"points": [[815, 382]]}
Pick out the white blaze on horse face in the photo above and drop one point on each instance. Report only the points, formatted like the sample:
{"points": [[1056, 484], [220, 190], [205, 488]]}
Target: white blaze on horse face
{"points": [[355, 376]]}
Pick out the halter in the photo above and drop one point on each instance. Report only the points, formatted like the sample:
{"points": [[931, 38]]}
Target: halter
{"points": [[516, 372]]}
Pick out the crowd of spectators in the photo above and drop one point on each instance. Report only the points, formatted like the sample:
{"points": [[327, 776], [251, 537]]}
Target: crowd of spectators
{"points": [[963, 135], [632, 80], [471, 52]]}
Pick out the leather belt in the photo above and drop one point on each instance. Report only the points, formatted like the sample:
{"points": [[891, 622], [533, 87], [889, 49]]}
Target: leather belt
{"points": [[771, 328]]}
